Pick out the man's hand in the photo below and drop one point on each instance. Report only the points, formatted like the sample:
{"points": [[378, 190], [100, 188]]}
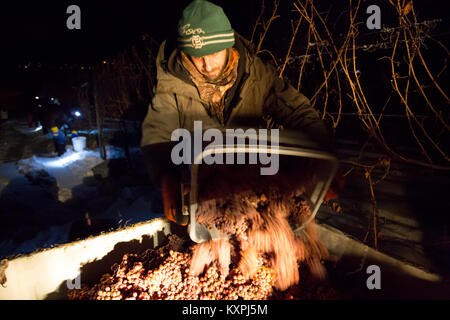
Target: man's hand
{"points": [[336, 187], [171, 196]]}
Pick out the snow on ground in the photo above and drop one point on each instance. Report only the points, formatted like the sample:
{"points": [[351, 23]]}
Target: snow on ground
{"points": [[70, 168], [47, 200]]}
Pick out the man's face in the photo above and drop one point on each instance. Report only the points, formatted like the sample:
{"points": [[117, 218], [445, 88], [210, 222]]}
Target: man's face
{"points": [[211, 65]]}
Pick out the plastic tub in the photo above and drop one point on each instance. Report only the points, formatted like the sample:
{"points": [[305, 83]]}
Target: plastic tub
{"points": [[79, 143]]}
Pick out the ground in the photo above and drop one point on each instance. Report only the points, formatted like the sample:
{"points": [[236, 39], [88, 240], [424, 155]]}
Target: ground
{"points": [[413, 222]]}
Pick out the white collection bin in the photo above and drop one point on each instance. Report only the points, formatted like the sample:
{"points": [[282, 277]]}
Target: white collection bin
{"points": [[79, 144]]}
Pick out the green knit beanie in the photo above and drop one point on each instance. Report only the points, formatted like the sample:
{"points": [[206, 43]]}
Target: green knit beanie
{"points": [[204, 29]]}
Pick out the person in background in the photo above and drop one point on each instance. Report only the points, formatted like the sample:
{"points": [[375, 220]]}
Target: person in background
{"points": [[53, 119]]}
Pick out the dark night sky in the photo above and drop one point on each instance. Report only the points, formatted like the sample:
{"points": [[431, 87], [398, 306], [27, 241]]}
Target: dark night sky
{"points": [[36, 30]]}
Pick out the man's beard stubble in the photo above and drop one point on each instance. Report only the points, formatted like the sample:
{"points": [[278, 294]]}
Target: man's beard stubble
{"points": [[217, 79]]}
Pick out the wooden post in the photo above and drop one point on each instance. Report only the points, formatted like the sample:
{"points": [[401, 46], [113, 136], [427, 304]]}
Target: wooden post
{"points": [[99, 125]]}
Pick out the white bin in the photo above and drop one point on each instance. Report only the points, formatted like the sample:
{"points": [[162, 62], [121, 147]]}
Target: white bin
{"points": [[79, 143]]}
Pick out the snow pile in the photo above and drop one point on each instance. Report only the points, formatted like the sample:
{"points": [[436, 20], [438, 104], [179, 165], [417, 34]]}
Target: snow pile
{"points": [[29, 165], [135, 204], [69, 169]]}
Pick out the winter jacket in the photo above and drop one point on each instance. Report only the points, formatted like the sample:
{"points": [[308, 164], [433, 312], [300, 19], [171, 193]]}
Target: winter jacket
{"points": [[257, 93]]}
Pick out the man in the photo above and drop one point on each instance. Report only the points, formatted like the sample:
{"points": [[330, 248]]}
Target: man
{"points": [[56, 118], [212, 75], [53, 118]]}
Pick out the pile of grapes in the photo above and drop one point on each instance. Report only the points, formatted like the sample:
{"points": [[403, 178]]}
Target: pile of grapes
{"points": [[163, 274]]}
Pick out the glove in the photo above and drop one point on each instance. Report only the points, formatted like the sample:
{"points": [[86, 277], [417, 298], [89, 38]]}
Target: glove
{"points": [[171, 196], [336, 187]]}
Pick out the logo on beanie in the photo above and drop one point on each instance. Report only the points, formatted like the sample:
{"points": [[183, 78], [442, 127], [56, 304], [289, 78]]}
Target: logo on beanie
{"points": [[188, 31], [197, 42]]}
